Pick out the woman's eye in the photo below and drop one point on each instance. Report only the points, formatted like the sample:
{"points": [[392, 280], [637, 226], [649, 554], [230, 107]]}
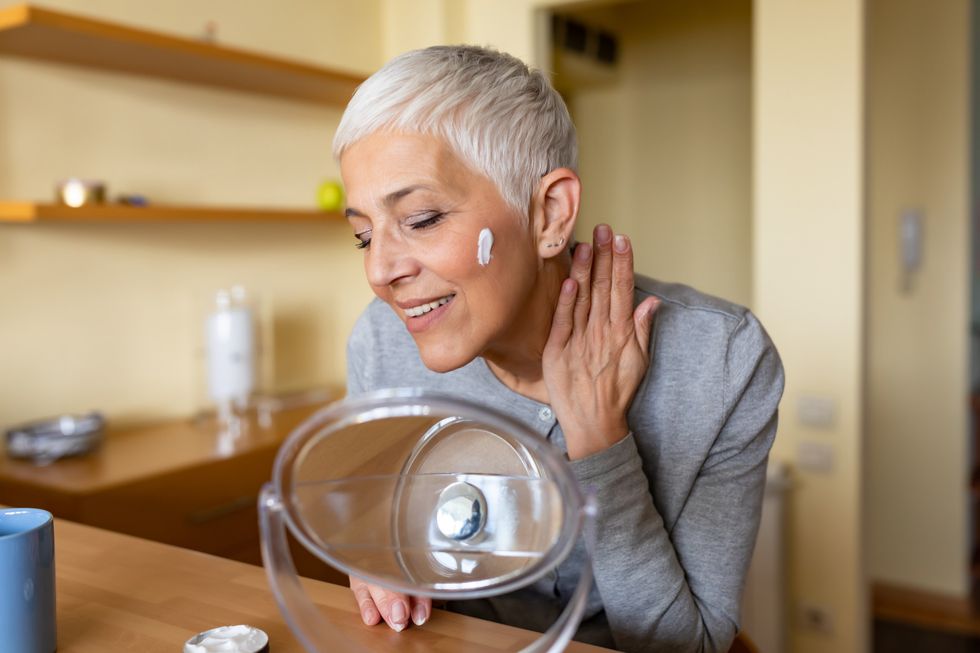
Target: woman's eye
{"points": [[428, 221], [423, 222]]}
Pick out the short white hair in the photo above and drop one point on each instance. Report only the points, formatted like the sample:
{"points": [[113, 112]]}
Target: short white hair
{"points": [[498, 115]]}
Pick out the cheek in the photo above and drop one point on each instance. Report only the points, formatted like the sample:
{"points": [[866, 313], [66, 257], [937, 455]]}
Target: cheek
{"points": [[454, 257], [503, 282], [454, 262]]}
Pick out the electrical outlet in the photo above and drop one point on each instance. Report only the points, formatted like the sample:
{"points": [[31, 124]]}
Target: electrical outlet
{"points": [[814, 618]]}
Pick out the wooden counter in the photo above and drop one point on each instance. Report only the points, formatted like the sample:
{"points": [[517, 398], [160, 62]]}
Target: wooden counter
{"points": [[119, 593], [180, 482]]}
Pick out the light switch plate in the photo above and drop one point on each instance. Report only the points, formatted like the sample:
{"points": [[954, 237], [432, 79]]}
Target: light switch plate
{"points": [[817, 412], [816, 457]]}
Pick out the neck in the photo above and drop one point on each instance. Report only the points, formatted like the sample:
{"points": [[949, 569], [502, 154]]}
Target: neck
{"points": [[515, 357]]}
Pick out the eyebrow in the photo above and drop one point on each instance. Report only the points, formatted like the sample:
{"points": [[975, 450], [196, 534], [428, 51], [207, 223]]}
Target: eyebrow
{"points": [[390, 199]]}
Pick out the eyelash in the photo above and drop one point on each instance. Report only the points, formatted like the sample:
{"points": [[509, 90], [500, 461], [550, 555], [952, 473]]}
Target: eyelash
{"points": [[430, 221]]}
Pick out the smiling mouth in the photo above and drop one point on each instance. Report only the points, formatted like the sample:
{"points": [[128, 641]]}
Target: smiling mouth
{"points": [[418, 311]]}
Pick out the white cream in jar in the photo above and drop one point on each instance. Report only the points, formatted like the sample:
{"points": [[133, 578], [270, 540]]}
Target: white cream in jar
{"points": [[229, 639]]}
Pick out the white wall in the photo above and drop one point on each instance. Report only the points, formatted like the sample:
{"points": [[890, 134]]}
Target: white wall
{"points": [[918, 358]]}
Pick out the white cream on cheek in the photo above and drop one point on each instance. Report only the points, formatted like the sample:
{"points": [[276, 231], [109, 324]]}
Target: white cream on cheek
{"points": [[483, 246]]}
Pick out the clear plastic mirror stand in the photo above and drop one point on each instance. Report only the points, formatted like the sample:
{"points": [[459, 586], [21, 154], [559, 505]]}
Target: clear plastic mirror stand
{"points": [[318, 635]]}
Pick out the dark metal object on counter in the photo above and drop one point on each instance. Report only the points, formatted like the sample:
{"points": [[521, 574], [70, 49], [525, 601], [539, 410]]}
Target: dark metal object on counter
{"points": [[45, 441], [133, 200]]}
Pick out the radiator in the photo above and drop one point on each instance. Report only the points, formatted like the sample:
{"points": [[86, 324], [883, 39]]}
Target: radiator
{"points": [[764, 600]]}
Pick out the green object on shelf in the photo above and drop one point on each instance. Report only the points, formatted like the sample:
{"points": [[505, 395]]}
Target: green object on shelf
{"points": [[330, 196]]}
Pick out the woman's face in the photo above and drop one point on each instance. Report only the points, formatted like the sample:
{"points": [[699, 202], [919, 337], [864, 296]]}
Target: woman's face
{"points": [[418, 211]]}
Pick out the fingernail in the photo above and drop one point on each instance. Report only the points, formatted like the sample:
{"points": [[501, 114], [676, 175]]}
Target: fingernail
{"points": [[621, 244], [568, 286], [583, 251], [399, 615], [369, 616], [418, 615], [603, 234]]}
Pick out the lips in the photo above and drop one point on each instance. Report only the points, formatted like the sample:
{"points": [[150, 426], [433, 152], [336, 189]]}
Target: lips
{"points": [[423, 316], [418, 309]]}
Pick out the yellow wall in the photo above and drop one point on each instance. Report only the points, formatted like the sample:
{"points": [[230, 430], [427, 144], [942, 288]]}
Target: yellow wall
{"points": [[110, 317], [421, 23], [808, 277], [665, 150], [918, 341]]}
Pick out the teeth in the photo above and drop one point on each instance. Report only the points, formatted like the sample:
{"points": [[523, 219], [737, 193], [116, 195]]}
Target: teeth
{"points": [[425, 308]]}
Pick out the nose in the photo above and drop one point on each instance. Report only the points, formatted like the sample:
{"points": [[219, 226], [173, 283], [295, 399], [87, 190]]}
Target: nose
{"points": [[388, 260]]}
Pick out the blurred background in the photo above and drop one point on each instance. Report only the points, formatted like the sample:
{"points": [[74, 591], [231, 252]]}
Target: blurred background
{"points": [[815, 161]]}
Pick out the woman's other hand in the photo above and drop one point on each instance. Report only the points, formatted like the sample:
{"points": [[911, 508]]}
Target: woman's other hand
{"points": [[376, 603], [598, 349]]}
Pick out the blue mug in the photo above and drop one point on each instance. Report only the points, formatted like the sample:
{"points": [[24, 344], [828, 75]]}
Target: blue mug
{"points": [[27, 602]]}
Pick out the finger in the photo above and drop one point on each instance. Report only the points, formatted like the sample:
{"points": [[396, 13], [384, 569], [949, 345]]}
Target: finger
{"points": [[561, 322], [643, 322], [421, 609], [621, 302], [392, 606], [369, 612], [601, 275], [582, 273]]}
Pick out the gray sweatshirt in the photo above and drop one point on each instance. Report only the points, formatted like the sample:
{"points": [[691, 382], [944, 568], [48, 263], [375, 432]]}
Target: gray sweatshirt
{"points": [[679, 498]]}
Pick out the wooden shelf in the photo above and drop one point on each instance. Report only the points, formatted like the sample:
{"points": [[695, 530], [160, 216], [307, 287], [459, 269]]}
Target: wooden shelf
{"points": [[925, 609], [38, 212], [56, 36]]}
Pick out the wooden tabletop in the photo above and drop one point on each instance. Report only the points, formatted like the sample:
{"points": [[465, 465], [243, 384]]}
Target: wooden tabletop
{"points": [[119, 593], [136, 453]]}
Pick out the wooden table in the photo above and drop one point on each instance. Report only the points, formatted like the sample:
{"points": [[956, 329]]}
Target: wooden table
{"points": [[118, 593]]}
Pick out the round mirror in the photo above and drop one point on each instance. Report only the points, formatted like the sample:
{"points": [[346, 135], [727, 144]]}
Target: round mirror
{"points": [[428, 495]]}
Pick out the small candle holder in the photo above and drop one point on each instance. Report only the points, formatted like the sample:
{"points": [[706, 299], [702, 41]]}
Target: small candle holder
{"points": [[76, 192]]}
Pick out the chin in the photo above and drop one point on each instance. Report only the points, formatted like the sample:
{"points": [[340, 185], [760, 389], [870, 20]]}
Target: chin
{"points": [[439, 358]]}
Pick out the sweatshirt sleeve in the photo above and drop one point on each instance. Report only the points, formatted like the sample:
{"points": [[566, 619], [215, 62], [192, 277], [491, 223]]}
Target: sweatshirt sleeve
{"points": [[359, 347], [678, 591]]}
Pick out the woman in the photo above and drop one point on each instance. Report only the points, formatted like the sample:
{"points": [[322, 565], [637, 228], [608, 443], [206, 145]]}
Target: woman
{"points": [[459, 165]]}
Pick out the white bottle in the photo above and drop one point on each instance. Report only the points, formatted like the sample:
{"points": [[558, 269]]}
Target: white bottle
{"points": [[231, 352]]}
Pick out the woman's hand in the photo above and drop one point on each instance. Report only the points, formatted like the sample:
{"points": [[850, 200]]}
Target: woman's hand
{"points": [[598, 350], [376, 603]]}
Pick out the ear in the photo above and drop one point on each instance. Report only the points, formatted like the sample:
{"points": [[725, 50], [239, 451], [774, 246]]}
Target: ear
{"points": [[554, 210]]}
